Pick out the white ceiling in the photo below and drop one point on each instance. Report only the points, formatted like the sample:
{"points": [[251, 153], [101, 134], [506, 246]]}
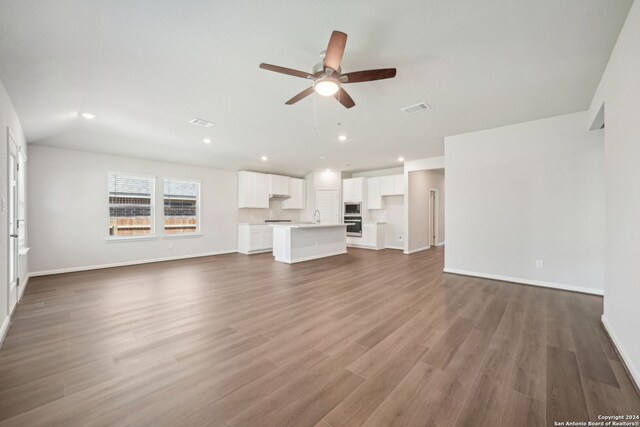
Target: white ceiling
{"points": [[145, 68]]}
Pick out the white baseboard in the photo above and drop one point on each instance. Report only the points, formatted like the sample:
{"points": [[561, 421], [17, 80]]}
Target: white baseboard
{"points": [[309, 258], [4, 329], [125, 263], [262, 251], [526, 281], [440, 244], [628, 361], [413, 251], [23, 286], [395, 248], [7, 321], [373, 248]]}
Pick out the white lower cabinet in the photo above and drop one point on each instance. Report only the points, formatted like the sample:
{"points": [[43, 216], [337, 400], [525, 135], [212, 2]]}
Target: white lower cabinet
{"points": [[254, 238], [373, 237]]}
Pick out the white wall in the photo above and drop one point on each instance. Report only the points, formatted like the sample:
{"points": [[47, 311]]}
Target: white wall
{"points": [[68, 211], [527, 192], [8, 119], [420, 183], [393, 217], [427, 164], [379, 172], [424, 164], [620, 92]]}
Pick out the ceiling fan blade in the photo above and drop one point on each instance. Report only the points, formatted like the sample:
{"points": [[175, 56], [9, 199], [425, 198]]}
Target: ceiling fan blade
{"points": [[343, 98], [308, 91], [287, 71], [369, 75], [335, 50]]}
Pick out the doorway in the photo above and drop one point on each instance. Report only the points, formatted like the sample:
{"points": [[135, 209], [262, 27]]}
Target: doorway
{"points": [[14, 191], [433, 217], [328, 204]]}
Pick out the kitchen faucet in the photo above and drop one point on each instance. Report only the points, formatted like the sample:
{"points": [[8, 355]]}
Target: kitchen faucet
{"points": [[316, 216]]}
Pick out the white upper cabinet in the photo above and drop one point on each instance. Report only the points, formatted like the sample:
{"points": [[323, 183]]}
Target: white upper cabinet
{"points": [[353, 189], [297, 193], [347, 190], [386, 185], [253, 190], [374, 193], [392, 185], [279, 185]]}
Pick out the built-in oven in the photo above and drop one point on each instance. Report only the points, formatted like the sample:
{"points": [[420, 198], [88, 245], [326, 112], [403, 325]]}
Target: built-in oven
{"points": [[354, 225], [352, 209]]}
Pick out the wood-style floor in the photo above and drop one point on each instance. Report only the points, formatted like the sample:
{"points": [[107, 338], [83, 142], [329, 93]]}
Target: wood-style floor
{"points": [[368, 338]]}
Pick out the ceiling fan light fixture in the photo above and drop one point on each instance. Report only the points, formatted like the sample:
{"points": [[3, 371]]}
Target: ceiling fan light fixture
{"points": [[326, 86]]}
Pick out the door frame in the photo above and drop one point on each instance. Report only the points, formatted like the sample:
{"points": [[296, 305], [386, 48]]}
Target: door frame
{"points": [[435, 221], [339, 209], [13, 291]]}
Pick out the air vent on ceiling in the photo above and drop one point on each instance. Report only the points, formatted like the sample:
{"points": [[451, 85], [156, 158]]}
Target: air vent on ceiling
{"points": [[415, 108], [202, 123]]}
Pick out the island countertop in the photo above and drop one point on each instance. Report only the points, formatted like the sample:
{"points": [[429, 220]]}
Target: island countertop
{"points": [[303, 225]]}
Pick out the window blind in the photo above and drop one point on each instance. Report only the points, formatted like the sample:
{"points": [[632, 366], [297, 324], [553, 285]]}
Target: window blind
{"points": [[181, 206], [130, 205]]}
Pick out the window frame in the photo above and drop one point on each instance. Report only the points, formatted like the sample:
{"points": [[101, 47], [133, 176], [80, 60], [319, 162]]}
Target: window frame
{"points": [[152, 235], [198, 231]]}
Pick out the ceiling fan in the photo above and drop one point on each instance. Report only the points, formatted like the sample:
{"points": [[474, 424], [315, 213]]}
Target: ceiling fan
{"points": [[327, 75]]}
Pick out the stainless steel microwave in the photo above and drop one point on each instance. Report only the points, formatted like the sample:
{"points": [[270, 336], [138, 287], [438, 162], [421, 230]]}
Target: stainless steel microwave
{"points": [[352, 209]]}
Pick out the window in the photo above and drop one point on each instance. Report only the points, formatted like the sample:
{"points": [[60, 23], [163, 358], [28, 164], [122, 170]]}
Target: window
{"points": [[131, 204], [181, 206]]}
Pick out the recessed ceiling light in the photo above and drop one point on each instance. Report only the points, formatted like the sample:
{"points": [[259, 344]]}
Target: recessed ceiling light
{"points": [[88, 116], [206, 141], [323, 157], [401, 159], [342, 137], [264, 158]]}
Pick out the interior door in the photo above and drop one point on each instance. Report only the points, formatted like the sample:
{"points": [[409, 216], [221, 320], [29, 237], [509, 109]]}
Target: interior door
{"points": [[12, 183], [328, 203], [433, 221]]}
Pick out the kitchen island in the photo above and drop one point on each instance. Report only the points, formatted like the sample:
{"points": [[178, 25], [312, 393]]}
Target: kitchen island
{"points": [[303, 242]]}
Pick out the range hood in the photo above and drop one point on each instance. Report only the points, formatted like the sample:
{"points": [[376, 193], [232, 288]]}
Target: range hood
{"points": [[279, 196]]}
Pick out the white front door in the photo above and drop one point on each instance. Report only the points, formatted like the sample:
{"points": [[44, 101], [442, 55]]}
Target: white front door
{"points": [[328, 203], [12, 182]]}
